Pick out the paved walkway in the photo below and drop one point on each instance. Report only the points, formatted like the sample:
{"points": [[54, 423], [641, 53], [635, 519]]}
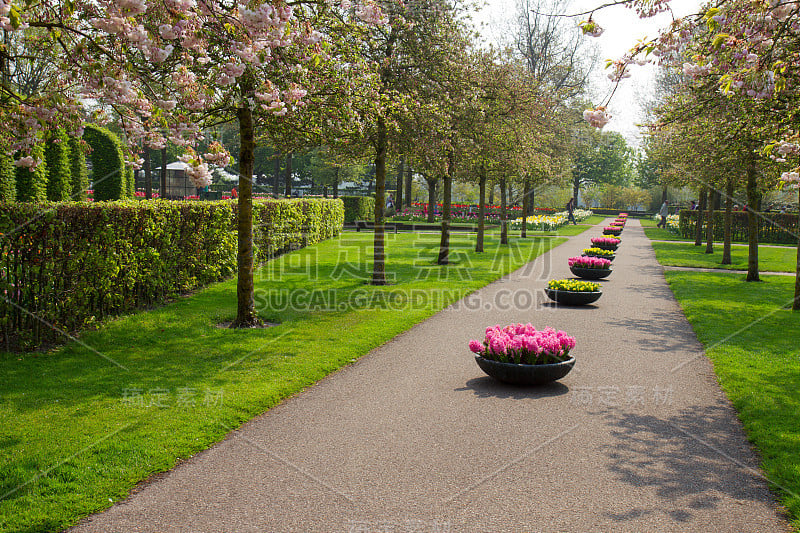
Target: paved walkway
{"points": [[414, 437]]}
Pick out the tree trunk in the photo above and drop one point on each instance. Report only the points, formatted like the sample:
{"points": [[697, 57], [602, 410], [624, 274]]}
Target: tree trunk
{"points": [[336, 183], [491, 195], [664, 195], [726, 242], [148, 175], [698, 235], [324, 191], [276, 177], [752, 222], [444, 244], [409, 179], [398, 193], [431, 199], [379, 252], [710, 223], [576, 182], [503, 205], [482, 211], [288, 186], [796, 302], [510, 197], [525, 205], [164, 172], [245, 295]]}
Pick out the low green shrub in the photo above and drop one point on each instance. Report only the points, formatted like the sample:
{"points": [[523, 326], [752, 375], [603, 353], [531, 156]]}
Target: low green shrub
{"points": [[358, 208]]}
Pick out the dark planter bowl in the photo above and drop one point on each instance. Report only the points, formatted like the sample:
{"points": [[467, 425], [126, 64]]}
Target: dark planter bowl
{"points": [[600, 256], [590, 273], [573, 297], [525, 374], [611, 247]]}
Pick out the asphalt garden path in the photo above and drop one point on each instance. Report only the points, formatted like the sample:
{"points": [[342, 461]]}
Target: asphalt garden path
{"points": [[414, 437]]}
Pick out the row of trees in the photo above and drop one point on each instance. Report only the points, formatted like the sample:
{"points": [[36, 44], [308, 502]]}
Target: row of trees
{"points": [[403, 85], [725, 121]]}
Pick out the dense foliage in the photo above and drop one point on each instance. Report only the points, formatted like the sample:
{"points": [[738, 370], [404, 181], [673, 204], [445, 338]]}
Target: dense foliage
{"points": [[773, 227], [108, 164], [358, 208], [76, 264]]}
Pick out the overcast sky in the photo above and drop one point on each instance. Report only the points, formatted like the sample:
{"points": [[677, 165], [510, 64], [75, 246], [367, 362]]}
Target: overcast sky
{"points": [[623, 29]]}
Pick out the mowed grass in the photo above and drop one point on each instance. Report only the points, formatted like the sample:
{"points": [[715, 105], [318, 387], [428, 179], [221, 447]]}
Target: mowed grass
{"points": [[658, 234], [753, 341], [81, 425], [770, 258]]}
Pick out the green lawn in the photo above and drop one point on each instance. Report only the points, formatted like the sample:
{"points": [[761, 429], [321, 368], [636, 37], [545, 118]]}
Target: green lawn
{"points": [[658, 234], [753, 341], [81, 425], [770, 258]]}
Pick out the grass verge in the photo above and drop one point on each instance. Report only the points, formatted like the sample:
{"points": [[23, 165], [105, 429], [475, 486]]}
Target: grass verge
{"points": [[770, 258], [754, 344], [81, 425]]}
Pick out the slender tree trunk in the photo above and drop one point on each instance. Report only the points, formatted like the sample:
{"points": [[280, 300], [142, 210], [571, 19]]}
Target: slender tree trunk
{"points": [[525, 205], [288, 186], [379, 252], [576, 183], [164, 172], [398, 193], [491, 195], [726, 244], [503, 216], [336, 183], [752, 221], [409, 180], [148, 175], [664, 195], [245, 310], [710, 223], [431, 199], [481, 211], [796, 302], [510, 197], [444, 244], [698, 235], [276, 177]]}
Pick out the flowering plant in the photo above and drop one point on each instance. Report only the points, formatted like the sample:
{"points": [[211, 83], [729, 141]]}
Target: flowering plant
{"points": [[573, 285], [613, 236], [589, 262], [614, 230], [608, 241], [598, 252], [523, 344]]}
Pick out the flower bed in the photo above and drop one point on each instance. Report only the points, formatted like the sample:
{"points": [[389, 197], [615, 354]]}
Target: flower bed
{"points": [[589, 262], [612, 230], [541, 222], [607, 243], [573, 285], [599, 252], [523, 344]]}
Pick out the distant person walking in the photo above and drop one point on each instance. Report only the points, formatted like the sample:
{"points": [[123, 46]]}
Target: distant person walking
{"points": [[663, 212], [570, 211]]}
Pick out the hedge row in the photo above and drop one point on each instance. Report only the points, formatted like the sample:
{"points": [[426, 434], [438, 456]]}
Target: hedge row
{"points": [[358, 208], [779, 228], [66, 266]]}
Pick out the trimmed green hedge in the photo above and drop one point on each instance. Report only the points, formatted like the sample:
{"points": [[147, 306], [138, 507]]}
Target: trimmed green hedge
{"points": [[358, 208], [280, 226], [79, 175], [109, 176], [8, 179], [32, 184], [779, 228], [78, 263], [56, 155]]}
